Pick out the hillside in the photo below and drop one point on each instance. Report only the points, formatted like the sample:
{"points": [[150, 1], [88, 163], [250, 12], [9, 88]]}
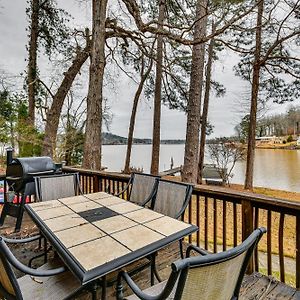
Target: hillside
{"points": [[113, 139]]}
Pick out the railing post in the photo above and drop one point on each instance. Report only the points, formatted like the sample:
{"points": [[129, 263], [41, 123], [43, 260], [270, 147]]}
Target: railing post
{"points": [[95, 184], [247, 227], [298, 252]]}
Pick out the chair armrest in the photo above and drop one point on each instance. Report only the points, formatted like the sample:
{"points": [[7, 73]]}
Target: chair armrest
{"points": [[122, 192], [187, 200], [196, 249], [140, 294], [77, 181], [150, 197], [131, 284], [21, 267], [21, 241], [125, 189]]}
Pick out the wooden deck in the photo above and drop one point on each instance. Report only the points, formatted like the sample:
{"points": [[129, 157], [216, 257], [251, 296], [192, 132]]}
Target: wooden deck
{"points": [[256, 286]]}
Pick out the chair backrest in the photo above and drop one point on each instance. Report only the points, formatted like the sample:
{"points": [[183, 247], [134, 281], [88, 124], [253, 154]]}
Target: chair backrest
{"points": [[56, 186], [9, 287], [172, 198], [215, 276], [142, 187]]}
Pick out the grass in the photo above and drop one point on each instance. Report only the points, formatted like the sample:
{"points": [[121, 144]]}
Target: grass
{"points": [[289, 239]]}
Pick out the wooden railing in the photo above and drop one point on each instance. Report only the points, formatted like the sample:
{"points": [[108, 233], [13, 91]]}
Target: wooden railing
{"points": [[226, 217]]}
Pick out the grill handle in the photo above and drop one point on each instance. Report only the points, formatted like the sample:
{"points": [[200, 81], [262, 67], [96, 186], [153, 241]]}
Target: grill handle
{"points": [[41, 173]]}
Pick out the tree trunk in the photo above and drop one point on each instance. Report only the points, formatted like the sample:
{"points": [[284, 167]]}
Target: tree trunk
{"points": [[53, 114], [32, 61], [157, 94], [190, 167], [92, 142], [254, 95], [137, 95], [205, 107]]}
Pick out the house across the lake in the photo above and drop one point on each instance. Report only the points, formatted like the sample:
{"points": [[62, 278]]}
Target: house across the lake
{"points": [[268, 140]]}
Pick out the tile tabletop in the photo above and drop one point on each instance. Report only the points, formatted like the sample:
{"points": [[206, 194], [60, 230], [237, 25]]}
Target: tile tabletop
{"points": [[98, 233]]}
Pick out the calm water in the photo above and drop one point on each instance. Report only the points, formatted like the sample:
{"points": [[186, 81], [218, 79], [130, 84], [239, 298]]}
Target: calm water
{"points": [[279, 169]]}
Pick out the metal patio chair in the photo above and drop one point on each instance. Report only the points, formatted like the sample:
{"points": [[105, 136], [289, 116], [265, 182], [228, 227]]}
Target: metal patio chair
{"points": [[206, 277], [60, 284], [54, 187], [57, 186], [172, 198], [140, 188]]}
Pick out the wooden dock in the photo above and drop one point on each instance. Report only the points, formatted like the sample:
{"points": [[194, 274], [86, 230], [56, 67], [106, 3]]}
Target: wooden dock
{"points": [[172, 171]]}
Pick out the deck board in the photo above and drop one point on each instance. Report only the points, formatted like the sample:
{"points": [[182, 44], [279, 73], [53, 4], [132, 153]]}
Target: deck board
{"points": [[258, 286]]}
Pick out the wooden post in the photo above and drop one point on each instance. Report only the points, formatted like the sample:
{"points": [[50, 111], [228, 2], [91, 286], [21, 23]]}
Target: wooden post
{"points": [[95, 184], [247, 227]]}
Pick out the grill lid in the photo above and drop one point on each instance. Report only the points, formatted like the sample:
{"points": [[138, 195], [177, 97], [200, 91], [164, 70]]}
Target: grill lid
{"points": [[35, 165], [22, 170]]}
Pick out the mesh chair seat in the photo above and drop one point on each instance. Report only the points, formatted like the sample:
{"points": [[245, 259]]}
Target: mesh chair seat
{"points": [[5, 280], [141, 188], [206, 277], [217, 281], [172, 198], [52, 283], [211, 282], [58, 186]]}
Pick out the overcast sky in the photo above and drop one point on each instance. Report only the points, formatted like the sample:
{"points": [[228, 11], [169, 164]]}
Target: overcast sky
{"points": [[224, 112]]}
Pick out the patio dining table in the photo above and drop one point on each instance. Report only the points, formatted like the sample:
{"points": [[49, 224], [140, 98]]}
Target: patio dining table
{"points": [[96, 234]]}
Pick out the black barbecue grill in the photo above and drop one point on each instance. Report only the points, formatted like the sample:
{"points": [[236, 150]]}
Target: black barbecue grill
{"points": [[20, 173]]}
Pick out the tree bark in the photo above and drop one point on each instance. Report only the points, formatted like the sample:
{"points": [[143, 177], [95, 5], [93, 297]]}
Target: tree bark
{"points": [[205, 107], [68, 140], [254, 95], [157, 93], [189, 172], [137, 95], [92, 143], [32, 61], [53, 114]]}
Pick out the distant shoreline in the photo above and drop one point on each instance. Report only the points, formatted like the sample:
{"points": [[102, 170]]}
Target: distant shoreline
{"points": [[122, 144], [266, 147]]}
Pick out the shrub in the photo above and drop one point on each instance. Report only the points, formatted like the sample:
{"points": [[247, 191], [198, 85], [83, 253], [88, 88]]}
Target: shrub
{"points": [[289, 139]]}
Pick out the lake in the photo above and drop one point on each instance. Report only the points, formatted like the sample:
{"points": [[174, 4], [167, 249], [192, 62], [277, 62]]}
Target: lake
{"points": [[278, 169]]}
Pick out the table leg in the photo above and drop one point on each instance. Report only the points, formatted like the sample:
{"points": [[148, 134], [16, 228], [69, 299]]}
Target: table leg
{"points": [[103, 296], [45, 251], [152, 269], [154, 272], [94, 291]]}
